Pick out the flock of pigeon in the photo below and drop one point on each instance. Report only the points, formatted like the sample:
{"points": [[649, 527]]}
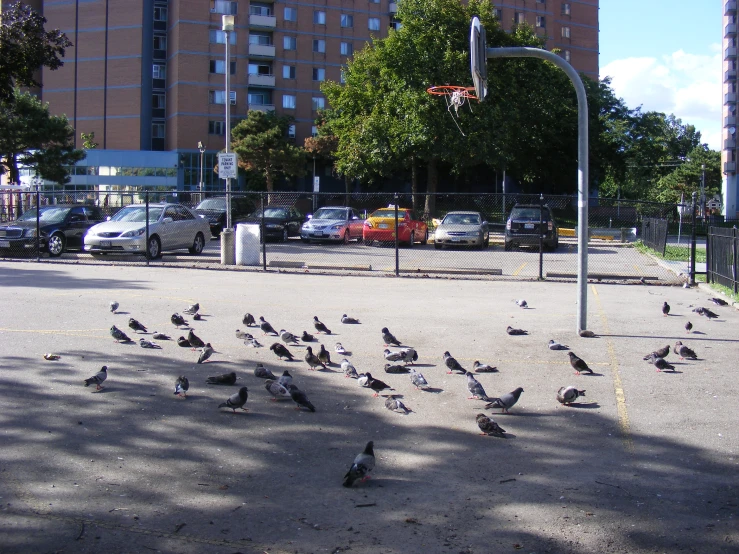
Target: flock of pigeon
{"points": [[282, 387]]}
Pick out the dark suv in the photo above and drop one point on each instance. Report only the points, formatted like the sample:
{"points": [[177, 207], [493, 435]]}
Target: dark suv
{"points": [[522, 227], [214, 210]]}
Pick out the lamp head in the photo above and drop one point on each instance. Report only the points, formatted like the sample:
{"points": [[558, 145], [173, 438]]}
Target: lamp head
{"points": [[227, 22], [200, 146]]}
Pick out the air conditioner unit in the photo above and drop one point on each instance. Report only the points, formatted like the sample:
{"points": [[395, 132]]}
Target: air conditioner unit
{"points": [[233, 101]]}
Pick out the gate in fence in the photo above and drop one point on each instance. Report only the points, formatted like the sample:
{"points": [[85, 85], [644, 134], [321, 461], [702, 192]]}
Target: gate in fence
{"points": [[654, 234]]}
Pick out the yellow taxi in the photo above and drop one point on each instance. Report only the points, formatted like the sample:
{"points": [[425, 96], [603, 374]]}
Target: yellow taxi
{"points": [[380, 226]]}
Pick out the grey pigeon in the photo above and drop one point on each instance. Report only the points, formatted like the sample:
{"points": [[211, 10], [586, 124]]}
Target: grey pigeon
{"points": [[224, 379], [684, 352], [339, 349], [181, 386], [281, 351], [263, 373], [363, 380], [287, 337], [320, 327], [177, 320], [248, 320], [277, 390], [205, 353], [586, 333], [377, 385], [135, 325], [453, 364], [489, 427], [192, 309], [708, 313], [392, 356], [237, 400], [197, 317], [567, 395], [183, 342], [194, 340], [511, 331], [119, 335], [688, 327], [418, 380], [409, 355], [306, 337], [349, 320], [718, 301], [483, 368], [324, 356], [505, 402], [266, 328], [243, 335], [395, 368], [300, 398], [578, 364], [348, 369], [285, 379], [522, 303], [394, 404], [143, 343], [363, 465], [254, 343], [113, 306], [660, 363], [665, 309], [98, 378], [475, 388], [661, 353], [312, 359], [160, 336], [389, 338], [554, 345]]}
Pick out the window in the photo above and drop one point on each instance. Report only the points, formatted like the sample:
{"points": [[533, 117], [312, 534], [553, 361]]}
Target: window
{"points": [[219, 97], [314, 131], [157, 130], [160, 13], [318, 103], [289, 43], [288, 72], [261, 39], [219, 66], [396, 25], [347, 20], [319, 17], [260, 9], [159, 71], [519, 18], [158, 101], [319, 45], [216, 127], [567, 55], [219, 37], [291, 14], [225, 7], [260, 69], [261, 98], [498, 14], [566, 8], [288, 101], [291, 131], [319, 74], [541, 21], [347, 49], [342, 77], [160, 42], [373, 23], [374, 1], [565, 32]]}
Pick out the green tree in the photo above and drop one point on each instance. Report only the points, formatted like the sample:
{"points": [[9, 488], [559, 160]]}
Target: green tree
{"points": [[31, 137], [88, 141], [261, 142], [26, 47], [686, 178]]}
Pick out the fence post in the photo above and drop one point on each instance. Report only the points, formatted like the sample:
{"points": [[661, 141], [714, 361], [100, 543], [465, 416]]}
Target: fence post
{"points": [[263, 233], [146, 246], [541, 237], [734, 245], [709, 245], [38, 224], [692, 241], [397, 256]]}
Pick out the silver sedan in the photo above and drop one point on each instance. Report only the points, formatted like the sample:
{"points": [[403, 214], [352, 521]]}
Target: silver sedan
{"points": [[462, 229]]}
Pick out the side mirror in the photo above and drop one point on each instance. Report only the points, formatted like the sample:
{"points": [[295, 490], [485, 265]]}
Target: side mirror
{"points": [[107, 218], [167, 220], [309, 216]]}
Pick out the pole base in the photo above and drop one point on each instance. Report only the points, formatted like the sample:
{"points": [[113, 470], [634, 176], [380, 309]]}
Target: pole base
{"points": [[228, 251]]}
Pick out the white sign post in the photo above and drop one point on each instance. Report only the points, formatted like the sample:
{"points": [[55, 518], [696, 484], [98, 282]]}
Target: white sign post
{"points": [[316, 184], [227, 165]]}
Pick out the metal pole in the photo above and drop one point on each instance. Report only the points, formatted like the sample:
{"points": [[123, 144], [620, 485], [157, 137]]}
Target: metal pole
{"points": [[397, 256], [38, 224], [146, 200], [703, 192], [228, 128], [315, 199], [201, 148], [541, 237], [262, 233], [692, 241], [582, 165]]}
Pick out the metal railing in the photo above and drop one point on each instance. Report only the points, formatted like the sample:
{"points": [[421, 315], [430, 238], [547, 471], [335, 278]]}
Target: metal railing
{"points": [[654, 234], [722, 257]]}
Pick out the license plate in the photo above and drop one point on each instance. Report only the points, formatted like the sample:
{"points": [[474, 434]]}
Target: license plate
{"points": [[4, 244], [382, 225], [455, 240], [105, 243], [318, 234], [528, 226]]}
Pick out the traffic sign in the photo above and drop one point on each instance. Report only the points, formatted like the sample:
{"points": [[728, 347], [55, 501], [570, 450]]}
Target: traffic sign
{"points": [[316, 184], [227, 165]]}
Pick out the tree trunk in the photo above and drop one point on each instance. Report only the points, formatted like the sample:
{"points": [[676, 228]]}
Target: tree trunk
{"points": [[347, 189], [433, 179], [414, 184], [270, 185]]}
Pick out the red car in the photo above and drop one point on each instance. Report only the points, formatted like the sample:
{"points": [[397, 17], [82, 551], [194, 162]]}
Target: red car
{"points": [[380, 226]]}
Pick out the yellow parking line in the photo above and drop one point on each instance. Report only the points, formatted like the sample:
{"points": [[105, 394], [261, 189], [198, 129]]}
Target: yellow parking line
{"points": [[638, 268], [623, 416], [519, 269]]}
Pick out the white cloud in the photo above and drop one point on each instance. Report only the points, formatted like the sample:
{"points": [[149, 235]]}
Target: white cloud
{"points": [[680, 83]]}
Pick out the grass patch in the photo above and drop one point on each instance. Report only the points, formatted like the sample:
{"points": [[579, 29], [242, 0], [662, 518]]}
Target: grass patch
{"points": [[673, 253], [726, 291]]}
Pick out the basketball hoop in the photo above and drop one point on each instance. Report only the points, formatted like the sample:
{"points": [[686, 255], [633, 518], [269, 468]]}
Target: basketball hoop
{"points": [[455, 97]]}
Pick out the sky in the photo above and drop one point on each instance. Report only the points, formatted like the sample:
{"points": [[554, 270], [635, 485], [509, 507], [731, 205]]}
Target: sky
{"points": [[665, 55]]}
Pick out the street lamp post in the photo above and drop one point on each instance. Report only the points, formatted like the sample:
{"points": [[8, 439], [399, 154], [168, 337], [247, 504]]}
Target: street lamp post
{"points": [[703, 192], [201, 148], [228, 255]]}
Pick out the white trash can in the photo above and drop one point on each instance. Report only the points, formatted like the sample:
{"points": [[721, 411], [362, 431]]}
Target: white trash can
{"points": [[247, 244]]}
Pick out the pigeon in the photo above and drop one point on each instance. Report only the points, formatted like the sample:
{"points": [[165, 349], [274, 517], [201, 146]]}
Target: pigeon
{"points": [[718, 301], [349, 369], [197, 317], [160, 336], [135, 325], [277, 390], [688, 327], [505, 402], [177, 320], [377, 385], [300, 398], [192, 309], [475, 388], [567, 395], [483, 368], [392, 356], [225, 379], [363, 380], [306, 337], [363, 464], [418, 380], [409, 355], [708, 313], [113, 306], [661, 353], [119, 335], [243, 335], [205, 353], [236, 400], [194, 340], [312, 359], [98, 378], [684, 352], [389, 338], [554, 345], [665, 309], [349, 320], [281, 351], [248, 320], [522, 303], [394, 368], [586, 333], [579, 364], [254, 343], [52, 357], [143, 343], [263, 373], [339, 349], [181, 386], [320, 327], [266, 328], [285, 379], [394, 404], [287, 337], [511, 331], [324, 356], [453, 364], [183, 342], [489, 427], [660, 363]]}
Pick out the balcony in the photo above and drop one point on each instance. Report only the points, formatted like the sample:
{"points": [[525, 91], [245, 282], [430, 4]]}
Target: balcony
{"points": [[730, 7], [730, 98], [729, 121], [261, 107], [262, 21], [730, 30], [256, 80], [730, 53], [261, 50], [729, 75], [729, 167], [394, 7], [729, 144]]}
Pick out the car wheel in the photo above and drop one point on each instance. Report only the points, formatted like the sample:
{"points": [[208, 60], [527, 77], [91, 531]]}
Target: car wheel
{"points": [[304, 240], [412, 239], [508, 247], [360, 239], [154, 247], [437, 245], [197, 245], [346, 237], [425, 237], [486, 242], [284, 235], [56, 245]]}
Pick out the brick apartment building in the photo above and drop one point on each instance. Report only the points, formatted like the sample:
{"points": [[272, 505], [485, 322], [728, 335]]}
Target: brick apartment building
{"points": [[147, 76], [730, 187]]}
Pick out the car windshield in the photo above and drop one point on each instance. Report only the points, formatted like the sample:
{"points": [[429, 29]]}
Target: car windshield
{"points": [[213, 204], [48, 215], [335, 213], [389, 213], [528, 213], [278, 213], [461, 219], [131, 214]]}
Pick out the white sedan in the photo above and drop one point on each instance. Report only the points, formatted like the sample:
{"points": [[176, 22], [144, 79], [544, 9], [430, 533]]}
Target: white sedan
{"points": [[171, 227]]}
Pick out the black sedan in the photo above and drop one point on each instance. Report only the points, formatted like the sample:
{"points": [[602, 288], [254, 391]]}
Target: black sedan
{"points": [[61, 227], [280, 222], [214, 210]]}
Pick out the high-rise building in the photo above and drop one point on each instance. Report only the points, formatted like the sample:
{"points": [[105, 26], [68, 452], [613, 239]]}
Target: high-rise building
{"points": [[728, 150], [147, 76]]}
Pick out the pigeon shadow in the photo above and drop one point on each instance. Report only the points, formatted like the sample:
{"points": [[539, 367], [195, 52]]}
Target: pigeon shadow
{"points": [[670, 371], [696, 333], [434, 390], [122, 313], [423, 365], [594, 374], [584, 405], [345, 353]]}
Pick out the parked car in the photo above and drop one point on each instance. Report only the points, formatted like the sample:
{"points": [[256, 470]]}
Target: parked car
{"points": [[462, 229], [214, 210], [333, 223], [380, 226], [171, 227], [522, 227], [280, 222], [62, 227]]}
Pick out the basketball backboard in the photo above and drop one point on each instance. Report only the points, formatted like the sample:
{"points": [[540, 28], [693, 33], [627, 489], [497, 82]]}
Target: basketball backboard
{"points": [[478, 58]]}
